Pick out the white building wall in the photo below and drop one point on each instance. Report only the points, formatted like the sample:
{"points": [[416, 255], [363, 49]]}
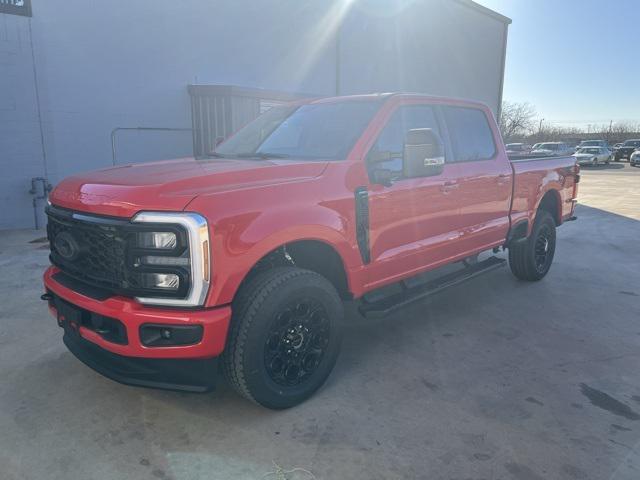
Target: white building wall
{"points": [[21, 155], [104, 65], [440, 47]]}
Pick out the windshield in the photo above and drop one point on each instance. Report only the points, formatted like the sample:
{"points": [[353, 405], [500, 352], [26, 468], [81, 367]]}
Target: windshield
{"points": [[315, 131], [632, 143], [589, 143], [591, 151], [515, 146], [548, 146]]}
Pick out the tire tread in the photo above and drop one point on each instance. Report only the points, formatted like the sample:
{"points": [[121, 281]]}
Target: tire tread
{"points": [[521, 260], [246, 307]]}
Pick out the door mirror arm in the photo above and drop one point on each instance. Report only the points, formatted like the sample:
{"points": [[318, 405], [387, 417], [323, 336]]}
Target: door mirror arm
{"points": [[383, 176]]}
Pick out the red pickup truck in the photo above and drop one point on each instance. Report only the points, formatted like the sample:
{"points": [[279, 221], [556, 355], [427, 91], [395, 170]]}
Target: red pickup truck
{"points": [[164, 273]]}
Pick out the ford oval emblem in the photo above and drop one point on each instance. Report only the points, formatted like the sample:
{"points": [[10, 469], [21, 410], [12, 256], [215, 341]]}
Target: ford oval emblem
{"points": [[66, 246]]}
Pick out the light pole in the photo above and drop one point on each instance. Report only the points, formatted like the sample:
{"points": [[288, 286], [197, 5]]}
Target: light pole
{"points": [[540, 129]]}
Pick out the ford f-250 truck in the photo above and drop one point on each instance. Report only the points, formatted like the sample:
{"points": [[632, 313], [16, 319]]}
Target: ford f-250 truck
{"points": [[164, 273]]}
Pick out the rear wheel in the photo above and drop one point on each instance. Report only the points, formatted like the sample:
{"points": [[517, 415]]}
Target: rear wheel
{"points": [[531, 259], [285, 337]]}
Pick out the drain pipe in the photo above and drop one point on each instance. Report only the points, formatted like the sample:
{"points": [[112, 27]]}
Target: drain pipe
{"points": [[38, 195]]}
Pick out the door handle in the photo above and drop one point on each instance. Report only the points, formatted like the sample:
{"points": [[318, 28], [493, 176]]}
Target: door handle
{"points": [[503, 178], [449, 186]]}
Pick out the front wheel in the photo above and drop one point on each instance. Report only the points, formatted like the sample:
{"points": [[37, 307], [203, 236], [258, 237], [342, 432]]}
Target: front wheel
{"points": [[531, 259], [285, 337]]}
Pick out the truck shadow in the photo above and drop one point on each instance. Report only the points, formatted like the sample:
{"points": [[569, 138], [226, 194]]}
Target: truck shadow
{"points": [[604, 166], [488, 309]]}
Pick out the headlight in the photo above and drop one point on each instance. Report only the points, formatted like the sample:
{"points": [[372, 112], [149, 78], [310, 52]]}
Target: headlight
{"points": [[161, 240], [172, 258], [168, 281]]}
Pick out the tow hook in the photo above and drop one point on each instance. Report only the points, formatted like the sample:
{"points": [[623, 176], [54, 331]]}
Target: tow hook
{"points": [[46, 297]]}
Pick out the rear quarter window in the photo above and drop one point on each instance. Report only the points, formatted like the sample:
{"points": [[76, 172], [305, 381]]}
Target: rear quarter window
{"points": [[470, 133]]}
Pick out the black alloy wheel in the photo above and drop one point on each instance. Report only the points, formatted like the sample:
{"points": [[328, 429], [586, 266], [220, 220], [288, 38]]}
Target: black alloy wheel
{"points": [[284, 338], [542, 250], [297, 341]]}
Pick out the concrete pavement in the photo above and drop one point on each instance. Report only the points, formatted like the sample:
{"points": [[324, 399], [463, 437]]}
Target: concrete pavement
{"points": [[494, 379]]}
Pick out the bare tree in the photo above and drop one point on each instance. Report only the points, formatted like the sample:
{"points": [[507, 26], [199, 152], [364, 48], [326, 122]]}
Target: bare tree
{"points": [[621, 131], [516, 119], [518, 123]]}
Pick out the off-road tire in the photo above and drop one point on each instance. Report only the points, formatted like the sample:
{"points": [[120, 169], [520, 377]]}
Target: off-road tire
{"points": [[258, 307], [524, 259]]}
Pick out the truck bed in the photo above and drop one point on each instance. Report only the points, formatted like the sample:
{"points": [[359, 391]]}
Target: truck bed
{"points": [[534, 177]]}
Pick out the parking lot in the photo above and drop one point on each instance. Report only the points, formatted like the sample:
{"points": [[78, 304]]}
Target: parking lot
{"points": [[494, 379]]}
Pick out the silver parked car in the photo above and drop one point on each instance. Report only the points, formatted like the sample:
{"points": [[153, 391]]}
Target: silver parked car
{"points": [[592, 155], [518, 148], [552, 149], [593, 143]]}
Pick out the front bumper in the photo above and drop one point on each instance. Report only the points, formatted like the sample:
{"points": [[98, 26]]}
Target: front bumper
{"points": [[190, 375], [586, 162], [624, 155], [124, 358]]}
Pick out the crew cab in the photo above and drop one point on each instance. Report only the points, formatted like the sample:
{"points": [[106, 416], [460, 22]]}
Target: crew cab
{"points": [[164, 273], [626, 149]]}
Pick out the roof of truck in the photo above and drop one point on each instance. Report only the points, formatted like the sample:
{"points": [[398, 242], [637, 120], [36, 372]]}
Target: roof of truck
{"points": [[383, 96]]}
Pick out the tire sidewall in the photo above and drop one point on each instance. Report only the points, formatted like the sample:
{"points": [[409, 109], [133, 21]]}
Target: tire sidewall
{"points": [[262, 388]]}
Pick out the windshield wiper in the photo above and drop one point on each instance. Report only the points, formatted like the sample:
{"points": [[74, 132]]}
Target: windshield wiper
{"points": [[259, 155]]}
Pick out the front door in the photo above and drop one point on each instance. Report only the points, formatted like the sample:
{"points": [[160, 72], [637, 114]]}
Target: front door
{"points": [[412, 221]]}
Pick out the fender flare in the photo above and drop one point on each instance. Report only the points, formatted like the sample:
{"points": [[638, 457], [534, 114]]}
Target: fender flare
{"points": [[235, 273], [551, 187]]}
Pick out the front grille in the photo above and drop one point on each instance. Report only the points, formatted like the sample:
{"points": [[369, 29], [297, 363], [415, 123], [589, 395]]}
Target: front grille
{"points": [[103, 250]]}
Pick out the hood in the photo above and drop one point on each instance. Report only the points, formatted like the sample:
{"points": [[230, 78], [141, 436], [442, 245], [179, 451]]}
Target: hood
{"points": [[171, 185]]}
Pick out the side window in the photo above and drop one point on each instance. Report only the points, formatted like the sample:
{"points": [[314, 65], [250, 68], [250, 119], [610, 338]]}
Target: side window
{"points": [[390, 142], [470, 133]]}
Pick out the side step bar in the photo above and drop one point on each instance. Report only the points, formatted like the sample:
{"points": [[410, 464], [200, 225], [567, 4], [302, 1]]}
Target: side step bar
{"points": [[390, 304]]}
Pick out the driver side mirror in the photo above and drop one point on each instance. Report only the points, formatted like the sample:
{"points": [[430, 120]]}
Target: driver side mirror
{"points": [[423, 153]]}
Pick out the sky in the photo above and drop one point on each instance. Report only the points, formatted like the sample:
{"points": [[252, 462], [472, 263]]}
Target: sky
{"points": [[576, 62]]}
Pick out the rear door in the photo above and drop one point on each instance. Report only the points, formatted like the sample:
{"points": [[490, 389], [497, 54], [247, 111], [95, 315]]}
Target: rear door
{"points": [[483, 178]]}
